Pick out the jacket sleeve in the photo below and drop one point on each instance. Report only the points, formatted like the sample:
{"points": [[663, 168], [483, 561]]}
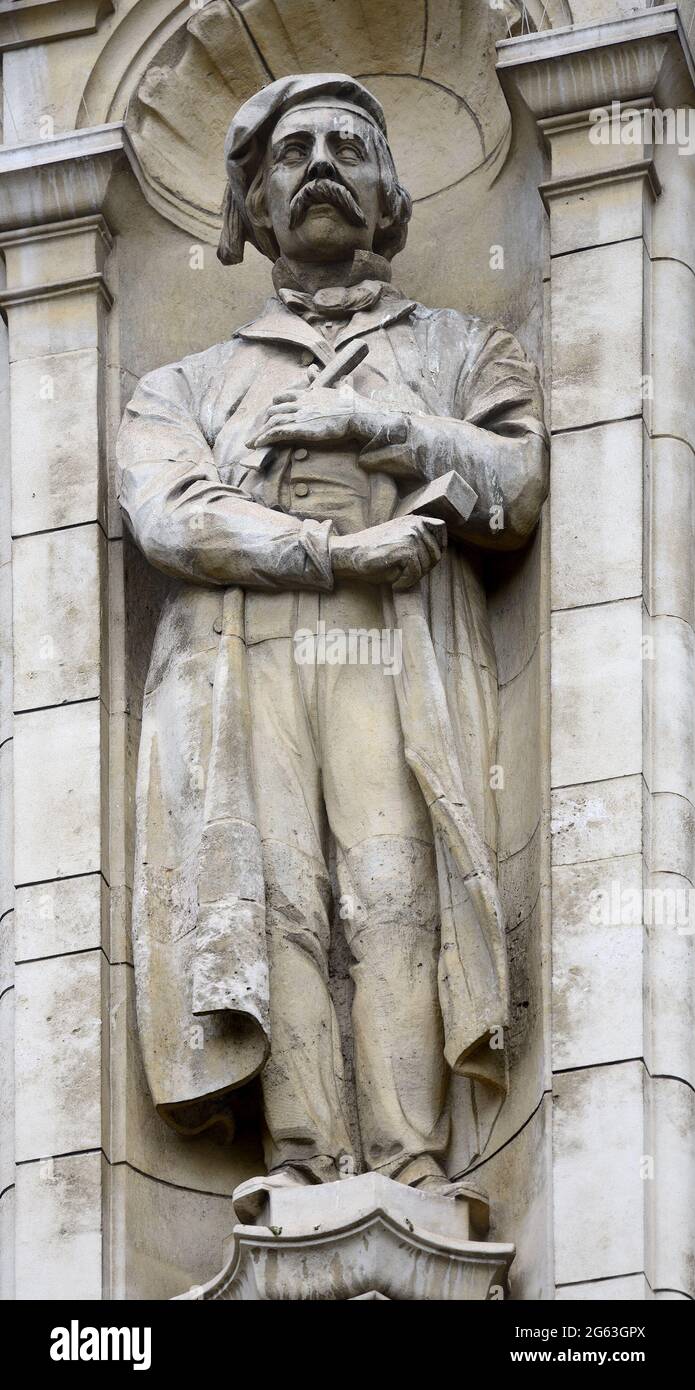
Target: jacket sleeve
{"points": [[495, 436], [185, 520]]}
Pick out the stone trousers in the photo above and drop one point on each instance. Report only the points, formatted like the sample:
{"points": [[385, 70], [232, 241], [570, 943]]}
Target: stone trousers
{"points": [[328, 760]]}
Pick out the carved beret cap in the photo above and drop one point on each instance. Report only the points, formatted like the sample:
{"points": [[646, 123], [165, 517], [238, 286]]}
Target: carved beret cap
{"points": [[244, 146]]}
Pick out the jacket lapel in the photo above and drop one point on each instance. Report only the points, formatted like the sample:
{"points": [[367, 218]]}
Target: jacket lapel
{"points": [[279, 325]]}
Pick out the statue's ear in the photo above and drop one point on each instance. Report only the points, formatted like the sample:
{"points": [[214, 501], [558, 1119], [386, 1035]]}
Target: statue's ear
{"points": [[230, 250]]}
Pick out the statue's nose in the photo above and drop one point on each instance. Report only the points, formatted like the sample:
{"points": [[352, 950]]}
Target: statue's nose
{"points": [[321, 169]]}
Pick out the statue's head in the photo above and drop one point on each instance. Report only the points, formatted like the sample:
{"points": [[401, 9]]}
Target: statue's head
{"points": [[310, 174]]}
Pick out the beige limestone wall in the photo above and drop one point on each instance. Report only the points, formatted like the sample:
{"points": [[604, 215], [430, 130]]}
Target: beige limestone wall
{"points": [[621, 697], [118, 1205], [7, 1093]]}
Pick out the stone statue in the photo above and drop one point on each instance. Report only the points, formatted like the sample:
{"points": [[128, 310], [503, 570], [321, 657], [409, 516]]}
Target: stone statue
{"points": [[278, 479]]}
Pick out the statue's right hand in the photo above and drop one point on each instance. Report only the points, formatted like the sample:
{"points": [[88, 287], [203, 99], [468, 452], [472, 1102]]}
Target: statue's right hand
{"points": [[399, 552]]}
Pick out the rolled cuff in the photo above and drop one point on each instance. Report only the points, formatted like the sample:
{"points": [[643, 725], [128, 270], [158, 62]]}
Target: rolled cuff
{"points": [[315, 536], [391, 448]]}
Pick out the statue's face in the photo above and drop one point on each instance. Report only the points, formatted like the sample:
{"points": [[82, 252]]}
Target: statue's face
{"points": [[323, 184]]}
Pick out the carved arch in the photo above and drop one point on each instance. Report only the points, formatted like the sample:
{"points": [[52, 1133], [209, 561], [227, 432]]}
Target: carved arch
{"points": [[177, 79]]}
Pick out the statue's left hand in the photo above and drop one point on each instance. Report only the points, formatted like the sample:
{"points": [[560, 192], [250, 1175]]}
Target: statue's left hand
{"points": [[320, 415]]}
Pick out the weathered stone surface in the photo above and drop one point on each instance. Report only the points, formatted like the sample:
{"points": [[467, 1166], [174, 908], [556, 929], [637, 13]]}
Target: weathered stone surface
{"points": [[597, 962], [232, 822], [597, 375], [57, 801], [611, 236], [598, 1187], [63, 916], [58, 1054], [596, 515], [523, 1203], [366, 1236], [57, 616], [59, 1245], [597, 820], [55, 448], [597, 692]]}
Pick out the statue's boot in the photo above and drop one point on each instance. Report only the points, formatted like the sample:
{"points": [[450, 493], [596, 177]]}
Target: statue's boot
{"points": [[477, 1199], [250, 1197]]}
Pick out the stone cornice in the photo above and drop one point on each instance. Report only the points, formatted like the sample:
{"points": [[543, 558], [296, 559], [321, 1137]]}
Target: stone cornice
{"points": [[641, 169], [26, 22], [68, 176], [578, 68], [61, 179], [76, 226], [57, 290]]}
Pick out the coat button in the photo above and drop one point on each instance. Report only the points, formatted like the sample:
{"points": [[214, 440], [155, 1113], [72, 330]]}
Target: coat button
{"points": [[307, 359], [301, 490], [300, 454], [217, 626]]}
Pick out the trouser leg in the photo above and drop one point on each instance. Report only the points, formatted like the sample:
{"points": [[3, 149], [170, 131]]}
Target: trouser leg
{"points": [[302, 1081], [390, 908], [393, 934]]}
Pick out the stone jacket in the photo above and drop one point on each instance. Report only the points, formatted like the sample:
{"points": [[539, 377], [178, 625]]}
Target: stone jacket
{"points": [[465, 397]]}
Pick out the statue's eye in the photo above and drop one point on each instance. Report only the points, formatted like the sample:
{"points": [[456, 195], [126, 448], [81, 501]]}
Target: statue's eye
{"points": [[293, 153], [349, 151]]}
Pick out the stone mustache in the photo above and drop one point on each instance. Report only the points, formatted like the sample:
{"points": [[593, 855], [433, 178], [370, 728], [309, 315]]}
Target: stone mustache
{"points": [[286, 481]]}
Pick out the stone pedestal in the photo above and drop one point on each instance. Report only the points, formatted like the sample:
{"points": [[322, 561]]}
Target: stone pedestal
{"points": [[363, 1238]]}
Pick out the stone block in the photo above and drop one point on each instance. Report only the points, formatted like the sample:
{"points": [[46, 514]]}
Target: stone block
{"points": [[515, 1176], [55, 323], [597, 670], [59, 1055], [597, 962], [670, 526], [156, 1263], [58, 800], [56, 457], [519, 799], [7, 1091], [7, 1206], [63, 916], [58, 616], [596, 515], [669, 837], [671, 1221], [6, 827], [598, 1188], [669, 720], [673, 350], [596, 352], [596, 820], [59, 1228], [670, 977], [597, 214]]}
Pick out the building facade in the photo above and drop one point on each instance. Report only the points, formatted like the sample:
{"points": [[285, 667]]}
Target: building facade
{"points": [[549, 151]]}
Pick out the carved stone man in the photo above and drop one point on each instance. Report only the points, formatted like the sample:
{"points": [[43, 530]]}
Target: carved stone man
{"points": [[271, 499]]}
